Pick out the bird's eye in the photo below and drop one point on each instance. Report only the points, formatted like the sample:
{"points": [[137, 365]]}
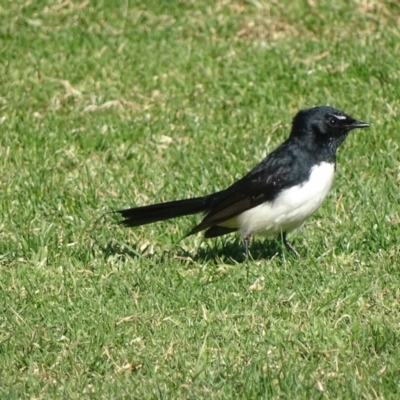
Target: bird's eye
{"points": [[332, 121]]}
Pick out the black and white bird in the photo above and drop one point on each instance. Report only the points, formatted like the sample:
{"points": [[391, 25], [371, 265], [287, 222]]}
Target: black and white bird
{"points": [[275, 197]]}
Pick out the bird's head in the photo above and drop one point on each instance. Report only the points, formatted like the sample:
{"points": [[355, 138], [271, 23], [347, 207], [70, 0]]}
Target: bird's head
{"points": [[324, 125]]}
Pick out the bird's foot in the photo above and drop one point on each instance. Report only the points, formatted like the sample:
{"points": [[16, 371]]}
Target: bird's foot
{"points": [[246, 241], [289, 246]]}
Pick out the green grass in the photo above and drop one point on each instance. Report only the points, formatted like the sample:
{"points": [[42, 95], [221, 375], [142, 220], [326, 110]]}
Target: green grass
{"points": [[106, 105]]}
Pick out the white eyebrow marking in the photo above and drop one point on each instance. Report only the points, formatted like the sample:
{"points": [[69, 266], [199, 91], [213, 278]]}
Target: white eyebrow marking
{"points": [[340, 117]]}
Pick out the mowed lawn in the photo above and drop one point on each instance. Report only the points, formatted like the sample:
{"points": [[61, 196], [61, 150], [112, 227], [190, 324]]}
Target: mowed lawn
{"points": [[109, 104]]}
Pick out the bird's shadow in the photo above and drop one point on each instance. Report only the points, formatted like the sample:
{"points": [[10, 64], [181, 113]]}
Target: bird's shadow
{"points": [[233, 252], [123, 251], [228, 252]]}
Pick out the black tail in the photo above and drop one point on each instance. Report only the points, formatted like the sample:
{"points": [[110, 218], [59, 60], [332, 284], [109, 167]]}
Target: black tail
{"points": [[160, 212]]}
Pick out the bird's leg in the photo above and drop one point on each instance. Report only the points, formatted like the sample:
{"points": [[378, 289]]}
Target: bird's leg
{"points": [[246, 241], [288, 245]]}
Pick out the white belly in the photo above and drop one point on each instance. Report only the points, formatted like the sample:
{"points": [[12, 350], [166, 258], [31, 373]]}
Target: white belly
{"points": [[290, 209]]}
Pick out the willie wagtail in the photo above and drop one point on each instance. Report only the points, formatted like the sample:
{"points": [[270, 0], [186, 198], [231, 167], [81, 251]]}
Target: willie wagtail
{"points": [[275, 197]]}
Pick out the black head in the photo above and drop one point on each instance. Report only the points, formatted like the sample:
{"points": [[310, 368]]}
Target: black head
{"points": [[325, 126]]}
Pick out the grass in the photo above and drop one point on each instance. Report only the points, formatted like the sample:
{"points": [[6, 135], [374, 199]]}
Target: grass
{"points": [[105, 105]]}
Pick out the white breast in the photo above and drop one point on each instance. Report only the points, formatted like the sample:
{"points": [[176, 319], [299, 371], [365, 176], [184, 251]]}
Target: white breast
{"points": [[290, 209]]}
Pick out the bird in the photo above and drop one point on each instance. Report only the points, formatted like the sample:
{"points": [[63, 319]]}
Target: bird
{"points": [[278, 195]]}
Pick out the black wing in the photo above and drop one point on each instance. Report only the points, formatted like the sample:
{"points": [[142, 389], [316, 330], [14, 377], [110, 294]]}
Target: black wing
{"points": [[281, 169]]}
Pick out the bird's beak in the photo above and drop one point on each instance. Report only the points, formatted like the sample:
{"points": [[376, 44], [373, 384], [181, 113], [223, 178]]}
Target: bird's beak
{"points": [[357, 124]]}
